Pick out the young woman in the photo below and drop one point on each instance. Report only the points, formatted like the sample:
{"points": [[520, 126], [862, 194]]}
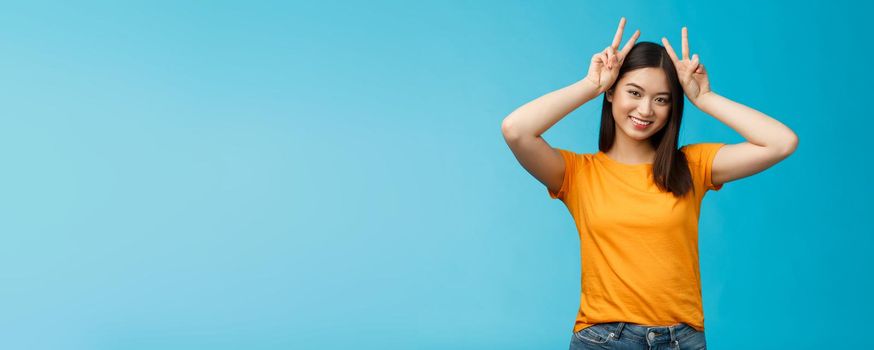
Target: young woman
{"points": [[636, 202]]}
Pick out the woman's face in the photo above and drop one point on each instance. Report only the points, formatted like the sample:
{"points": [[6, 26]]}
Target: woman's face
{"points": [[642, 93]]}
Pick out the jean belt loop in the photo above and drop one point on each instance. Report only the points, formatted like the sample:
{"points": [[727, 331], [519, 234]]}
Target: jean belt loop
{"points": [[673, 338], [619, 329]]}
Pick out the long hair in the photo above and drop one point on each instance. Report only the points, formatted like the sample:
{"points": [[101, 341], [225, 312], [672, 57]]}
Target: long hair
{"points": [[670, 170]]}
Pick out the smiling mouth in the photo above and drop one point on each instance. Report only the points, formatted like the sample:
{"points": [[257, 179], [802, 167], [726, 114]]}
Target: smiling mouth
{"points": [[640, 122]]}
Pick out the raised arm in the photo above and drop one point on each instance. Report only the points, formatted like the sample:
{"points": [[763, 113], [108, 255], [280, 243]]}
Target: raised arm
{"points": [[768, 140], [523, 128]]}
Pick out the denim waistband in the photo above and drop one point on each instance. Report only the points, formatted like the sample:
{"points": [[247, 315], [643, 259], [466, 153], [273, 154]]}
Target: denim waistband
{"points": [[648, 334]]}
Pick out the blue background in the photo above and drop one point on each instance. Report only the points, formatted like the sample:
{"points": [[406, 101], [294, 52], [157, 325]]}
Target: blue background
{"points": [[272, 175]]}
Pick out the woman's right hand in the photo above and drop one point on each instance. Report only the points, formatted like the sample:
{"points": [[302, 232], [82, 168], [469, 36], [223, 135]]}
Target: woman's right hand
{"points": [[605, 64]]}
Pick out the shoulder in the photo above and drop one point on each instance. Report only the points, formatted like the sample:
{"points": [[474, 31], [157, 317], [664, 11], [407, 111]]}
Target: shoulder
{"points": [[577, 158], [703, 151]]}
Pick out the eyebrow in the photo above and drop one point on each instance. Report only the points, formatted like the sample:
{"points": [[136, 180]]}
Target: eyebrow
{"points": [[637, 86]]}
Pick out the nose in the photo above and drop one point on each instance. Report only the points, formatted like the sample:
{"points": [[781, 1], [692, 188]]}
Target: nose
{"points": [[644, 109]]}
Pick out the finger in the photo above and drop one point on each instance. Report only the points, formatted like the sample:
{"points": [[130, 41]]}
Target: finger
{"points": [[670, 50], [618, 37], [630, 44], [614, 58], [695, 60], [609, 52], [685, 43], [700, 70]]}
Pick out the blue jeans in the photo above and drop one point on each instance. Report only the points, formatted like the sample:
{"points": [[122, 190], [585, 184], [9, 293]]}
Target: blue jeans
{"points": [[630, 336]]}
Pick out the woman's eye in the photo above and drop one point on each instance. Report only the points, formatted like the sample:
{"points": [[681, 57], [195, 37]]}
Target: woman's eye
{"points": [[635, 93]]}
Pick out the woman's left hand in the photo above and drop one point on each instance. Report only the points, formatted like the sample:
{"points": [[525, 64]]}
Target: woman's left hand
{"points": [[691, 72]]}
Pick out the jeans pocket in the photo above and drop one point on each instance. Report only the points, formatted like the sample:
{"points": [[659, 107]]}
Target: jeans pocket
{"points": [[693, 340], [594, 334]]}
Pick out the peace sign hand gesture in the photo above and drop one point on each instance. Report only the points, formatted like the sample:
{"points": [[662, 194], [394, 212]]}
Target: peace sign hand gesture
{"points": [[692, 75], [604, 67]]}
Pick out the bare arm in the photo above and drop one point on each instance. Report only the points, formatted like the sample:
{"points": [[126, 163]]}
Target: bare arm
{"points": [[534, 118], [523, 128], [758, 128], [768, 140]]}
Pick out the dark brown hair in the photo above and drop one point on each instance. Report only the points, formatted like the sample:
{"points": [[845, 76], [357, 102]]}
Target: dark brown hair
{"points": [[670, 170]]}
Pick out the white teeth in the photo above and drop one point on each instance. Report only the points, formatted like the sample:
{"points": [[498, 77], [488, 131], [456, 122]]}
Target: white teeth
{"points": [[640, 122]]}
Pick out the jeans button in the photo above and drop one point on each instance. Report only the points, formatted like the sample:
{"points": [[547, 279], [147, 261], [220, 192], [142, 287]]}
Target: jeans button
{"points": [[651, 335]]}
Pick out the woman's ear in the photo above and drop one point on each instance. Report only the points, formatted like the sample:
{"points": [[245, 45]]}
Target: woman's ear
{"points": [[610, 96]]}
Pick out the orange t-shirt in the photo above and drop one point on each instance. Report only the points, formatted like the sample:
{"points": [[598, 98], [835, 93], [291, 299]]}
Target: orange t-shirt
{"points": [[639, 245]]}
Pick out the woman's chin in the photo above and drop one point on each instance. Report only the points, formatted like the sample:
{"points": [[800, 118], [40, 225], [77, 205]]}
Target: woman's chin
{"points": [[638, 134]]}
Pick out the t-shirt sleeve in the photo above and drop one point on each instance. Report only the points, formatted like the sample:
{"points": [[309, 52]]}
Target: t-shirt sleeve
{"points": [[570, 165], [700, 157]]}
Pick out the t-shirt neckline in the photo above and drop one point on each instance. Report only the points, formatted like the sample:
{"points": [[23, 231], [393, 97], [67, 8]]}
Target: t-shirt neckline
{"points": [[607, 158]]}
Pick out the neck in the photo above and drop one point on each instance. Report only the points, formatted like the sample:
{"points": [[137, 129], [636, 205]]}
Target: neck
{"points": [[632, 151]]}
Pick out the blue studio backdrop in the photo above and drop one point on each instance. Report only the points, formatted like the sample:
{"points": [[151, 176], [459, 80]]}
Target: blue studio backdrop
{"points": [[331, 174]]}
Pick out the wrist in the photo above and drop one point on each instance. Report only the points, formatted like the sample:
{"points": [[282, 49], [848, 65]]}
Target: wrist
{"points": [[703, 98], [593, 85]]}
